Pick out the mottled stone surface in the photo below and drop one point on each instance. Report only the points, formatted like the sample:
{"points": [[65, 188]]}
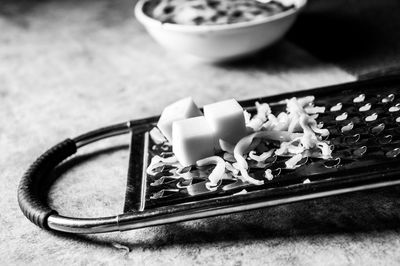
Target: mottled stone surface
{"points": [[67, 67]]}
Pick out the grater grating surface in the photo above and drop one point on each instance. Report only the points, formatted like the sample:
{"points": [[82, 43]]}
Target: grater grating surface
{"points": [[364, 135]]}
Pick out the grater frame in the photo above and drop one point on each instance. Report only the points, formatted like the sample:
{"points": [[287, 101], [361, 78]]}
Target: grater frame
{"points": [[32, 196]]}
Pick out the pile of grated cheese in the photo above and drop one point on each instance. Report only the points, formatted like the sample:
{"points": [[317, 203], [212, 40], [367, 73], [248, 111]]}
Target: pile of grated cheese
{"points": [[296, 130]]}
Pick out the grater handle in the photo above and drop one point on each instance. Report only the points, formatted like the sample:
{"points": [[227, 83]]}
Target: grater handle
{"points": [[34, 185], [31, 190]]}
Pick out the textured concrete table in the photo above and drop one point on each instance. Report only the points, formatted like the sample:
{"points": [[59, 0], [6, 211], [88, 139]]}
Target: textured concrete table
{"points": [[67, 67]]}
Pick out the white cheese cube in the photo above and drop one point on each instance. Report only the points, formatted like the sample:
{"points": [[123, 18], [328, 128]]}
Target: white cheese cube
{"points": [[182, 109], [227, 119], [192, 139]]}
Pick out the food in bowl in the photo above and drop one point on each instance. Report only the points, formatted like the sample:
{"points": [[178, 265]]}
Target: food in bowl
{"points": [[218, 42], [213, 12]]}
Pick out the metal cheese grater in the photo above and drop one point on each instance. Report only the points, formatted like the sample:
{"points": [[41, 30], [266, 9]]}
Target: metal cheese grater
{"points": [[363, 119]]}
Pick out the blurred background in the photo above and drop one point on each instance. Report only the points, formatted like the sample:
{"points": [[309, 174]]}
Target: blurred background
{"points": [[362, 36]]}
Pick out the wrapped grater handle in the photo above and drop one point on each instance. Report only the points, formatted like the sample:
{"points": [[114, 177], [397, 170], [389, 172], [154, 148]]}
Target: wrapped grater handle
{"points": [[31, 190], [35, 183]]}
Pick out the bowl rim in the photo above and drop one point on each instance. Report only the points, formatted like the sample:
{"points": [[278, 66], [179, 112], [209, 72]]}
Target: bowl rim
{"points": [[147, 20]]}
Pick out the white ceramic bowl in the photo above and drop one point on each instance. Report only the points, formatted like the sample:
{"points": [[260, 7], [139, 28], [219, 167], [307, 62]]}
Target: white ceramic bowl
{"points": [[220, 42]]}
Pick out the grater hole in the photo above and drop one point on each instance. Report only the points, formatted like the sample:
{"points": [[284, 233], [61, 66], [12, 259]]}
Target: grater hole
{"points": [[235, 185], [352, 139], [342, 117], [365, 107], [395, 108], [303, 161], [398, 119], [166, 154], [371, 117], [164, 193], [393, 153], [332, 163], [162, 169], [336, 107], [166, 168], [359, 99], [158, 182], [360, 151], [388, 98], [276, 172], [184, 170], [385, 139], [376, 130], [347, 127], [157, 195], [184, 183]]}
